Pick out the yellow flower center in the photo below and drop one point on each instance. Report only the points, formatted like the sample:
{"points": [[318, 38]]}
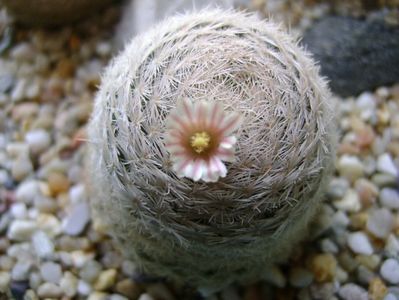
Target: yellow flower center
{"points": [[200, 141]]}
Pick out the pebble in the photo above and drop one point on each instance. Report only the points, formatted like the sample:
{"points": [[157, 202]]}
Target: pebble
{"points": [[42, 244], [21, 230], [77, 194], [386, 165], [38, 140], [49, 224], [359, 243], [350, 167], [328, 246], [20, 271], [392, 246], [274, 276], [35, 280], [324, 267], [18, 210], [58, 183], [49, 290], [97, 296], [51, 272], [390, 270], [79, 258], [77, 219], [27, 191], [90, 271], [377, 289], [5, 279], [337, 188], [84, 288], [383, 180], [105, 280], [145, 296], [21, 168], [128, 288], [300, 277], [390, 297], [364, 275], [380, 222], [69, 284], [389, 198], [350, 202], [351, 291]]}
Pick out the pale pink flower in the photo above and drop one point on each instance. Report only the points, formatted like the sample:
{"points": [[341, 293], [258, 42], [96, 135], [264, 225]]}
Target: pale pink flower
{"points": [[199, 138]]}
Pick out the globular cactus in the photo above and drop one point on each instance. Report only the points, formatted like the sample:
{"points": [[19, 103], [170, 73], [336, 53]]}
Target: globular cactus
{"points": [[230, 225]]}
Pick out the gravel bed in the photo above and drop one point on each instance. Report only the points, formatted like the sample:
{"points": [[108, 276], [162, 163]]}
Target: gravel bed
{"points": [[49, 249]]}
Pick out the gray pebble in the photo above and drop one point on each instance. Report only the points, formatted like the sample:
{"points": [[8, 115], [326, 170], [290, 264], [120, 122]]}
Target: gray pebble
{"points": [[77, 219], [51, 272], [90, 271], [42, 244], [359, 243], [389, 198], [351, 291], [380, 222], [27, 191], [21, 271], [300, 277], [38, 140], [390, 270], [49, 290]]}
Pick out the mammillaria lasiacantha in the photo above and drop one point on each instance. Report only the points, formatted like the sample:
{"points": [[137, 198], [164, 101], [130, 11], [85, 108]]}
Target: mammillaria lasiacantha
{"points": [[210, 230]]}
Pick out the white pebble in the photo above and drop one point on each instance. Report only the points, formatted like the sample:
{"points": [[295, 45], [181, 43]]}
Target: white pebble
{"points": [[389, 198], [359, 243], [38, 140], [386, 165], [84, 288], [69, 284], [42, 244], [351, 291], [380, 222], [5, 279], [145, 296], [350, 167], [117, 297], [366, 100], [21, 271], [390, 270], [51, 272], [49, 290], [18, 210], [390, 297], [21, 168], [77, 194], [392, 246], [27, 191], [49, 224], [77, 219], [350, 202], [21, 230], [35, 280]]}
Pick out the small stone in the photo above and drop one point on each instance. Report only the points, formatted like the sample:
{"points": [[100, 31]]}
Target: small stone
{"points": [[322, 291], [105, 280], [159, 290], [35, 280], [49, 290], [18, 210], [323, 267], [380, 222], [328, 246], [38, 140], [19, 289], [128, 288], [300, 277], [367, 192], [69, 284], [25, 111], [27, 191], [84, 288], [383, 180], [103, 49], [77, 194], [274, 276], [392, 246], [364, 275], [77, 219], [377, 289], [386, 165], [337, 188], [350, 167], [145, 296], [6, 83], [129, 268], [359, 243], [98, 296], [90, 271], [42, 244], [341, 275], [390, 270], [5, 279], [21, 168], [351, 291], [389, 198], [49, 224], [51, 272], [350, 202], [390, 297], [21, 230], [369, 261], [20, 271], [79, 258], [58, 183], [117, 297]]}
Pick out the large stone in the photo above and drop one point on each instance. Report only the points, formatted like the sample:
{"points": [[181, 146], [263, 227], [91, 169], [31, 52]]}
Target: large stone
{"points": [[356, 55], [52, 12]]}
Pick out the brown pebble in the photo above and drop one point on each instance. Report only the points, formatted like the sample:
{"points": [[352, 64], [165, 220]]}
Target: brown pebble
{"points": [[128, 288], [358, 220], [58, 183], [367, 192], [377, 289], [65, 68], [323, 267]]}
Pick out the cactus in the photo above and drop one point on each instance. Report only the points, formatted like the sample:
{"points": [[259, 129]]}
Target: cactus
{"points": [[211, 233]]}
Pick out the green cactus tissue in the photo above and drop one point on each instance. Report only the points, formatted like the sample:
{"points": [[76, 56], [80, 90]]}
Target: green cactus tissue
{"points": [[210, 144]]}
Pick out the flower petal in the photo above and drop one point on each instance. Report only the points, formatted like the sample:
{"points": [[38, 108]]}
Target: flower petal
{"points": [[228, 142], [229, 123]]}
